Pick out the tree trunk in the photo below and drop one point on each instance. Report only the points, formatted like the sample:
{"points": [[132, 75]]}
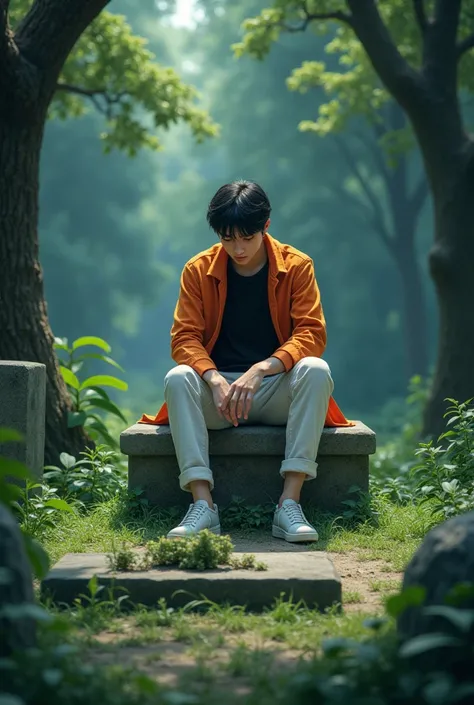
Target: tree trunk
{"points": [[452, 270], [25, 333]]}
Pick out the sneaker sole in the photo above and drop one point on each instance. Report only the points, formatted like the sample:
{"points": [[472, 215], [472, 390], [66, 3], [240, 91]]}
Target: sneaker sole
{"points": [[293, 538], [213, 529]]}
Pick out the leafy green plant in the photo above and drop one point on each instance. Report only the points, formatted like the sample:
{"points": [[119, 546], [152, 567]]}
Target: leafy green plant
{"points": [[36, 507], [97, 477], [201, 552], [240, 515], [13, 478], [247, 561], [88, 396], [445, 474], [359, 507], [92, 609], [122, 559]]}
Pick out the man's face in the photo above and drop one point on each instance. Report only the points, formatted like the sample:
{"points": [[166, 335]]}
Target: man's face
{"points": [[244, 250]]}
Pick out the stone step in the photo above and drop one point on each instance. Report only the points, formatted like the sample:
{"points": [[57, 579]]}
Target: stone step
{"points": [[305, 575], [245, 462]]}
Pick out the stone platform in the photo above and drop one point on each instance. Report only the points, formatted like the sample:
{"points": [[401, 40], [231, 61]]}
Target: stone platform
{"points": [[246, 462], [304, 575]]}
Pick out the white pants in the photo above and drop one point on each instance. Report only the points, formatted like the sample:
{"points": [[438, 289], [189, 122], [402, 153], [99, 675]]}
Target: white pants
{"points": [[298, 399]]}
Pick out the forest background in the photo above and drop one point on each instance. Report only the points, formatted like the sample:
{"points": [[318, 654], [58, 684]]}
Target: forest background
{"points": [[115, 231]]}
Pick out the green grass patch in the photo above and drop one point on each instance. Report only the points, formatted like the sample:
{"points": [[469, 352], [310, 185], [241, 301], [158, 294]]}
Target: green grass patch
{"points": [[391, 535]]}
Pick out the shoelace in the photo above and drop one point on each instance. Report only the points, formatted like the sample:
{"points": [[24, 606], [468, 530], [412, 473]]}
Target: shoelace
{"points": [[193, 515], [295, 514]]}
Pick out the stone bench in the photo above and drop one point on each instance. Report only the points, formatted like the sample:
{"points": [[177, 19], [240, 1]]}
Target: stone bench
{"points": [[246, 462]]}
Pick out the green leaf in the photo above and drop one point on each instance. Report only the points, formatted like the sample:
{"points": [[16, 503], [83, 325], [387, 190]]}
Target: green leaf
{"points": [[427, 642], [9, 466], [462, 619], [37, 555], [59, 504], [105, 381], [410, 597], [10, 434], [25, 609], [91, 340], [107, 406], [68, 461], [61, 344], [99, 356], [98, 390], [76, 418], [69, 377]]}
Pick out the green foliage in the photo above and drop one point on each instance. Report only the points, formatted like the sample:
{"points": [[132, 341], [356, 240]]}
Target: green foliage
{"points": [[97, 477], [240, 515], [444, 475], [390, 467], [205, 551], [112, 70], [353, 88], [201, 552], [88, 396], [359, 508], [37, 507], [15, 479]]}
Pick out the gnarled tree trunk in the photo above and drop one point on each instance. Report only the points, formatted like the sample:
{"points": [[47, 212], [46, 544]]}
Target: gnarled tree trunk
{"points": [[24, 327], [31, 59], [452, 270]]}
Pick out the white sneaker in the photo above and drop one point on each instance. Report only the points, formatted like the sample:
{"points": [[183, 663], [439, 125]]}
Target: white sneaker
{"points": [[198, 517], [290, 523]]}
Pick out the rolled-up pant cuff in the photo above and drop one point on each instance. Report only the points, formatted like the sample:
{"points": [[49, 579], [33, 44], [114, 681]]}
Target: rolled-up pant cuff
{"points": [[196, 473], [309, 467]]}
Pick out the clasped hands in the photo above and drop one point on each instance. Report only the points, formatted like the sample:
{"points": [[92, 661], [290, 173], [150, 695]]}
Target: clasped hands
{"points": [[234, 401]]}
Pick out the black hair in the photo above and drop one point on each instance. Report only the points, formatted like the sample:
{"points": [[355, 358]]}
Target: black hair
{"points": [[240, 207]]}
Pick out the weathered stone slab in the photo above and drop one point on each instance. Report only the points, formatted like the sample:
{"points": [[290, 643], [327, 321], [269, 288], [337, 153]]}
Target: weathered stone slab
{"points": [[308, 576], [147, 439], [256, 479], [22, 408], [246, 463]]}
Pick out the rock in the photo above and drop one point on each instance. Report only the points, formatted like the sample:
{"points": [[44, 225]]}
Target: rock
{"points": [[444, 559], [22, 408], [16, 587]]}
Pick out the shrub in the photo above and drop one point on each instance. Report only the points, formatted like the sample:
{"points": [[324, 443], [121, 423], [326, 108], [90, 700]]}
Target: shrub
{"points": [[445, 473]]}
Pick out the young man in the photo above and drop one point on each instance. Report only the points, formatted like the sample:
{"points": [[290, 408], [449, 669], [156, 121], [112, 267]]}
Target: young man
{"points": [[247, 337]]}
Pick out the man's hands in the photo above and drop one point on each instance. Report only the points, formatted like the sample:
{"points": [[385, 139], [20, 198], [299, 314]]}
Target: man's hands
{"points": [[239, 397], [234, 401]]}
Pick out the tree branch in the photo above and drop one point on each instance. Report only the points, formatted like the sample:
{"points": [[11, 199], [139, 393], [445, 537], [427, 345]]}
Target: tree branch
{"points": [[400, 79], [49, 31], [94, 94], [312, 16], [464, 46], [420, 14], [377, 212]]}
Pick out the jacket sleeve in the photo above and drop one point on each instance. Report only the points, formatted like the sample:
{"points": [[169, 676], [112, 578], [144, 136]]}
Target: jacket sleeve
{"points": [[187, 331], [308, 338]]}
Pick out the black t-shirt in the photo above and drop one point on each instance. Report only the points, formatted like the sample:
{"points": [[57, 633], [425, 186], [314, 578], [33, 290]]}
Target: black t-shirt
{"points": [[247, 334]]}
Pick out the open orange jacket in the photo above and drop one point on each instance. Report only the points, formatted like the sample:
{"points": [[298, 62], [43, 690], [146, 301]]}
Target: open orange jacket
{"points": [[295, 308]]}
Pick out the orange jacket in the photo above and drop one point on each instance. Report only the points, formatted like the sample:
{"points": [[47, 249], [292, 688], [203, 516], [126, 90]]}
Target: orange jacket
{"points": [[295, 308]]}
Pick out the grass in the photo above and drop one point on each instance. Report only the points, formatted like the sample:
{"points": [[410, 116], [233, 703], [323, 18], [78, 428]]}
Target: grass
{"points": [[227, 645], [225, 651], [392, 537]]}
